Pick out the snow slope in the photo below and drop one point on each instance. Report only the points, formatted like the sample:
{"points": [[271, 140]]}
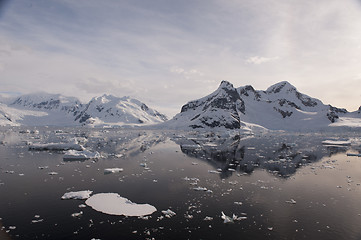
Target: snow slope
{"points": [[54, 109], [280, 107]]}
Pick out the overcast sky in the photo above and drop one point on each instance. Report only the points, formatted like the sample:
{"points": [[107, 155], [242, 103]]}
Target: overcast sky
{"points": [[168, 52]]}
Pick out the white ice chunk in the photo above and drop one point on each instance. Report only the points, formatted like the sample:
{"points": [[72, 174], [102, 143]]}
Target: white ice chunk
{"points": [[113, 170], [114, 204], [80, 155], [77, 195]]}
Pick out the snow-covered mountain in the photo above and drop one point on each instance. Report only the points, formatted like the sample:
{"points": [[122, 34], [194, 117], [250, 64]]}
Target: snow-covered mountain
{"points": [[280, 107], [112, 110], [57, 110]]}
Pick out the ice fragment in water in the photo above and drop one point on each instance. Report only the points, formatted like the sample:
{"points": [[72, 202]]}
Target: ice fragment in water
{"points": [[77, 195], [168, 213], [292, 201], [77, 214], [226, 218]]}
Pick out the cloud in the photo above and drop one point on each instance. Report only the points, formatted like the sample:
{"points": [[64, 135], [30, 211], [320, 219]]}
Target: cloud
{"points": [[259, 60], [136, 48]]}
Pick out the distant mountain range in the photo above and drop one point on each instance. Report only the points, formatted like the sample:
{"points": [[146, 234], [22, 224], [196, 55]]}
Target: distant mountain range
{"points": [[280, 107], [57, 110]]}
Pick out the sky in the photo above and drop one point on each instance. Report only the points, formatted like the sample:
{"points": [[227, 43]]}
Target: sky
{"points": [[168, 52]]}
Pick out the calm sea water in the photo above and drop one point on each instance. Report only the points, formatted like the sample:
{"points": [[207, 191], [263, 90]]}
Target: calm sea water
{"points": [[288, 186]]}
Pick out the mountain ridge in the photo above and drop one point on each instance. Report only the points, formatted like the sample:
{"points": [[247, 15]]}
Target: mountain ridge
{"points": [[279, 107]]}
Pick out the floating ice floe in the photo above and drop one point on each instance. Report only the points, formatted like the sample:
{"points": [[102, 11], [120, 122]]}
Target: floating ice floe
{"points": [[354, 154], [80, 155], [200, 189], [112, 170], [56, 146], [77, 195], [292, 201], [114, 204], [335, 142], [168, 213]]}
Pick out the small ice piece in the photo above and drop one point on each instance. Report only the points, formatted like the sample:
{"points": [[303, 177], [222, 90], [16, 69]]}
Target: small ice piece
{"points": [[200, 189], [168, 213], [12, 227], [231, 169], [143, 164], [238, 203], [77, 195], [112, 170], [213, 171], [335, 142], [188, 216], [114, 204], [208, 218], [292, 201], [80, 155], [52, 173], [82, 206], [77, 214], [37, 220], [236, 218], [226, 218], [270, 228], [194, 163]]}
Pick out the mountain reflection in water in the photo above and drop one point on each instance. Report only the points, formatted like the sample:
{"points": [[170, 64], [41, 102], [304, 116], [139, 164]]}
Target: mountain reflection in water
{"points": [[280, 154]]}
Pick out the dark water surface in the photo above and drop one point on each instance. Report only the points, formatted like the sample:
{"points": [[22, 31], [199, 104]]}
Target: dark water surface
{"points": [[263, 172]]}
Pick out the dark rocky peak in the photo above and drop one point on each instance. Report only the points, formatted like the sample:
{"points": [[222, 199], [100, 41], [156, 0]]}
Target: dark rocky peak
{"points": [[249, 90], [281, 86], [359, 110], [226, 85]]}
